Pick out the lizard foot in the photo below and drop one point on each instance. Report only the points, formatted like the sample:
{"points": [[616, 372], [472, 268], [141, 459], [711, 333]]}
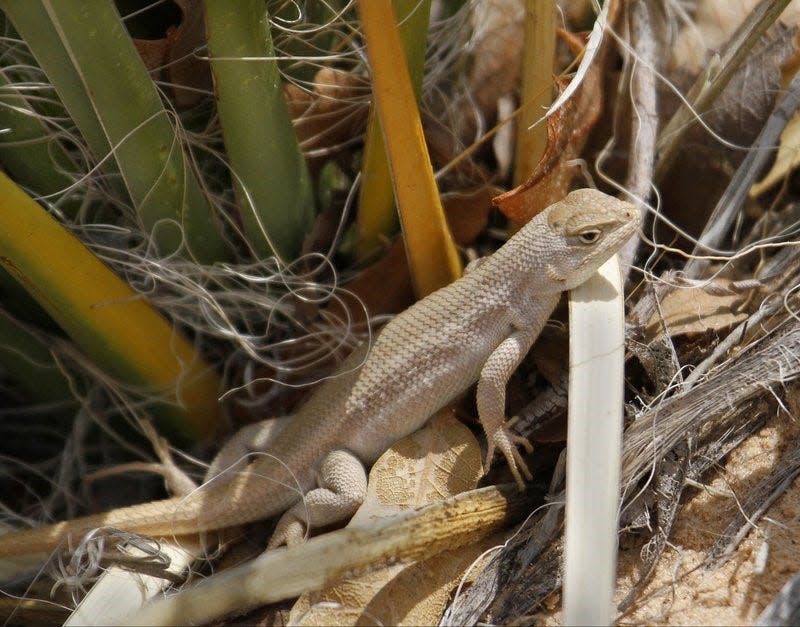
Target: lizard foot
{"points": [[506, 442], [342, 487]]}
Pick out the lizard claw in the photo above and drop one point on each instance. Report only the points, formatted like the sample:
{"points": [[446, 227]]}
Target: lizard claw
{"points": [[507, 443]]}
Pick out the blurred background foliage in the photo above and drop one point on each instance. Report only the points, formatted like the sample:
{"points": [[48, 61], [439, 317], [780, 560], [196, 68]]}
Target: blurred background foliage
{"points": [[189, 187]]}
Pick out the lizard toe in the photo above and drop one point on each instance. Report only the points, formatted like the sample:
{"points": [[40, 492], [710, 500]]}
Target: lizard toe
{"points": [[507, 442], [520, 466], [289, 531], [522, 441]]}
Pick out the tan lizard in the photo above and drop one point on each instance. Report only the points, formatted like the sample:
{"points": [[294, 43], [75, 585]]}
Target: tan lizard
{"points": [[311, 466]]}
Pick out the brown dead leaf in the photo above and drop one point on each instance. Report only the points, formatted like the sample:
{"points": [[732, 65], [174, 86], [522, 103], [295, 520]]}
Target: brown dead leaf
{"points": [[173, 56], [692, 310], [786, 161], [467, 212], [703, 168], [188, 74], [334, 112], [714, 21], [567, 131], [497, 41], [439, 461], [153, 52]]}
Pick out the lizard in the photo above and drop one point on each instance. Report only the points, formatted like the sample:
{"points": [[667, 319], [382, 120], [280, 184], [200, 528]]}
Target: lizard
{"points": [[310, 467]]}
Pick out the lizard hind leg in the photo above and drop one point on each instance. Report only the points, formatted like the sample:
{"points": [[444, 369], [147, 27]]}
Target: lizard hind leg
{"points": [[254, 438], [342, 482]]}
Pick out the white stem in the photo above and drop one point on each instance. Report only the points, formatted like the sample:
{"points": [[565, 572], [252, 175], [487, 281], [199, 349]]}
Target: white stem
{"points": [[594, 447]]}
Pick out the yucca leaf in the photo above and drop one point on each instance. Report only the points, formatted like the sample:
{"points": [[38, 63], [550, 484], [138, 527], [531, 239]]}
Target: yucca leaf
{"points": [[432, 255], [377, 216], [26, 360], [28, 150], [85, 51], [110, 323], [537, 86], [276, 198]]}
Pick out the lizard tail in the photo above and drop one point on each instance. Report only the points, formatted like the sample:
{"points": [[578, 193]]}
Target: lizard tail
{"points": [[176, 516]]}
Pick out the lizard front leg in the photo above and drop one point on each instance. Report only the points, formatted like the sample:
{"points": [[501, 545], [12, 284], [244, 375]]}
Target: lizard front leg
{"points": [[342, 488], [491, 398]]}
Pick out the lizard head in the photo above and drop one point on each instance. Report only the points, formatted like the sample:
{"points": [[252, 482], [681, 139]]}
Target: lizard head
{"points": [[590, 227]]}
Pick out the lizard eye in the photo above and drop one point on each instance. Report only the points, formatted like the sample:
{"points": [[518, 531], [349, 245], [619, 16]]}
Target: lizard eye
{"points": [[590, 236]]}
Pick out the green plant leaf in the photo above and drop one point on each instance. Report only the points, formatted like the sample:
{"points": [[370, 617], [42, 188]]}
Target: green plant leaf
{"points": [[276, 198], [111, 323], [86, 52]]}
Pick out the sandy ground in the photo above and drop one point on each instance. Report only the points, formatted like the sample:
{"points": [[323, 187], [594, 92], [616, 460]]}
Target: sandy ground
{"points": [[682, 591], [737, 591]]}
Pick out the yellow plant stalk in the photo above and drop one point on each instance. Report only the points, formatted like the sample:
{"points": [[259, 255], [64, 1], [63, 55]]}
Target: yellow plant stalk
{"points": [[432, 255], [377, 217], [537, 86], [110, 322], [376, 214]]}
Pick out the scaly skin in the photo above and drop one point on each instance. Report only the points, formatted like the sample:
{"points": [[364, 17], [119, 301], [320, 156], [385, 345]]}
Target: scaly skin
{"points": [[479, 328]]}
